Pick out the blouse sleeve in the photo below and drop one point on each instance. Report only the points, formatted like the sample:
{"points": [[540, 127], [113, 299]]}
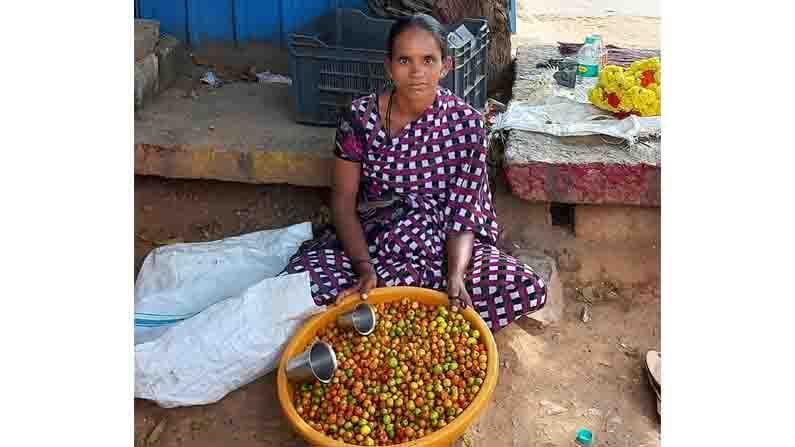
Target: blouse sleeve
{"points": [[469, 206], [349, 141]]}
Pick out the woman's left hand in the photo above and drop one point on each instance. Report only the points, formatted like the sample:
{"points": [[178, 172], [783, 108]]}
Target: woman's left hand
{"points": [[457, 292]]}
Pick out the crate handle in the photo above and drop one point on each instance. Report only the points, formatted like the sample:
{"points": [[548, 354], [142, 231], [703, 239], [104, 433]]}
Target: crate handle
{"points": [[305, 39]]}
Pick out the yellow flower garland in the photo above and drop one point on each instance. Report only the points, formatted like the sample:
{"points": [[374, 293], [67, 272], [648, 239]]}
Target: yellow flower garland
{"points": [[634, 90]]}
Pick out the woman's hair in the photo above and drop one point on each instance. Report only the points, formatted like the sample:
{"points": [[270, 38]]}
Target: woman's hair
{"points": [[423, 22]]}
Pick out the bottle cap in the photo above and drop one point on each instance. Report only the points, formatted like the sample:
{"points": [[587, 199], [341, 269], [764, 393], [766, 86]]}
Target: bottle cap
{"points": [[584, 437], [589, 39]]}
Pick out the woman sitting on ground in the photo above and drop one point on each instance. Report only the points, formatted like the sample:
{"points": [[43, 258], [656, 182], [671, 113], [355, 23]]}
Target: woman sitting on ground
{"points": [[411, 202]]}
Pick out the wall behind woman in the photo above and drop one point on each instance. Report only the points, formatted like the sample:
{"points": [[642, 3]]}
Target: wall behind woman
{"points": [[200, 22]]}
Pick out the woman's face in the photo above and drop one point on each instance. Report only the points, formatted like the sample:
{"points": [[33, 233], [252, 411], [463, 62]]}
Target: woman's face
{"points": [[416, 65]]}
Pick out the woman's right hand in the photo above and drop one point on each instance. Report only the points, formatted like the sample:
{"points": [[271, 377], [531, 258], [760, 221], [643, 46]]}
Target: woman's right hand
{"points": [[368, 279]]}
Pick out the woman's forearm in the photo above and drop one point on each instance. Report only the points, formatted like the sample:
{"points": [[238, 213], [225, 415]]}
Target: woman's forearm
{"points": [[459, 251], [350, 232]]}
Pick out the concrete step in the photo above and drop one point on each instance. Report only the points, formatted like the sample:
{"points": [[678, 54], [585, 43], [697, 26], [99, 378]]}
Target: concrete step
{"points": [[159, 68], [575, 170], [146, 80], [147, 33], [173, 60], [240, 132], [617, 223]]}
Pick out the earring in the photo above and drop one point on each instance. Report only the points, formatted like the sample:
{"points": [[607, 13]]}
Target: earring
{"points": [[390, 83]]}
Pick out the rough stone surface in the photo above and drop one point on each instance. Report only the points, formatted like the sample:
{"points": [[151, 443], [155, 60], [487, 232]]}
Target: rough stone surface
{"points": [[617, 223], [172, 60], [546, 267], [146, 80], [577, 170], [147, 33], [242, 132]]}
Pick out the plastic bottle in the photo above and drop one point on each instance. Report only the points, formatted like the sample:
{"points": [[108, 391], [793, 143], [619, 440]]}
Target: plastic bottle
{"points": [[588, 64], [602, 48]]}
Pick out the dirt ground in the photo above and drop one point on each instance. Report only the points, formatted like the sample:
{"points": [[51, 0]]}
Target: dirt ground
{"points": [[549, 26], [167, 210], [553, 380]]}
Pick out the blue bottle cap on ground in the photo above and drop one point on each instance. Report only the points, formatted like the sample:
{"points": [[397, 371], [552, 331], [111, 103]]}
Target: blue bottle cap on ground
{"points": [[584, 437]]}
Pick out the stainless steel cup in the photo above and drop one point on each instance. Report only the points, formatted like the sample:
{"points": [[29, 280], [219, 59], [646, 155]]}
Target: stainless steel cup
{"points": [[318, 362], [362, 319]]}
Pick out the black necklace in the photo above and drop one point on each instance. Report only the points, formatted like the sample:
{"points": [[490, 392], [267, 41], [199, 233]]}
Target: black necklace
{"points": [[389, 115]]}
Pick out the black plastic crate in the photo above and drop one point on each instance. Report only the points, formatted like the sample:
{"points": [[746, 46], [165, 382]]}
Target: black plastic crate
{"points": [[340, 57]]}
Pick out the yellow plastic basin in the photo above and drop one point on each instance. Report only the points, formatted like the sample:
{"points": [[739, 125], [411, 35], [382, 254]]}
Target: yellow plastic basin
{"points": [[444, 437]]}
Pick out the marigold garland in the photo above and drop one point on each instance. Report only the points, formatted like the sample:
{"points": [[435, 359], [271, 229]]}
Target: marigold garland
{"points": [[635, 90]]}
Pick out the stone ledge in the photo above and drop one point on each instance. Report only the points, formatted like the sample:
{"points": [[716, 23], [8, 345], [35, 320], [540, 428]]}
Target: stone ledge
{"points": [[576, 170], [231, 165], [241, 132], [172, 60], [147, 32], [146, 81], [585, 183], [617, 223]]}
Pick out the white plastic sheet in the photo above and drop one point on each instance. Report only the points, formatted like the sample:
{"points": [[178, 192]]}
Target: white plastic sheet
{"points": [[211, 317], [565, 117], [178, 281], [230, 344]]}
